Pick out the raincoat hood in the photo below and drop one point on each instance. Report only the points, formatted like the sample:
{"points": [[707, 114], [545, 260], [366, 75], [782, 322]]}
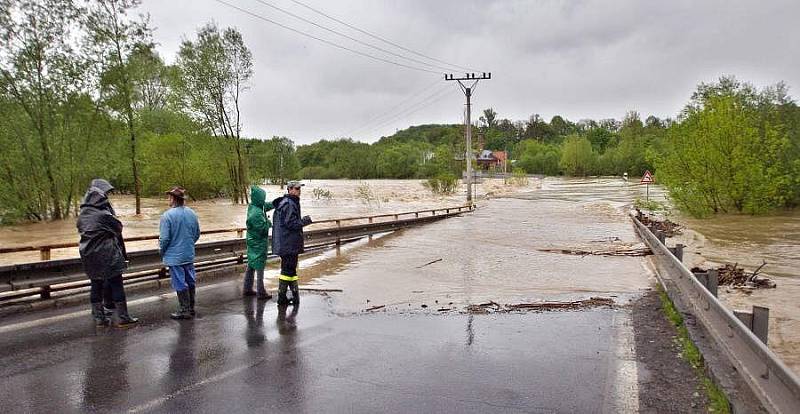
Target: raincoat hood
{"points": [[257, 196], [97, 195]]}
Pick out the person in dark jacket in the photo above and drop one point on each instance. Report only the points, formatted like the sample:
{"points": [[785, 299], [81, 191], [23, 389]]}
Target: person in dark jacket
{"points": [[288, 239], [103, 254], [258, 225]]}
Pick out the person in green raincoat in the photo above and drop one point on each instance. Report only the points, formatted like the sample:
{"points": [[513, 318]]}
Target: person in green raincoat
{"points": [[258, 225]]}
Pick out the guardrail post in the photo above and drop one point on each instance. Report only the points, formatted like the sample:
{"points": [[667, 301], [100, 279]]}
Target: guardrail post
{"points": [[338, 227], [661, 236], [45, 292], [239, 233], [395, 217], [416, 214], [44, 253], [679, 252], [757, 321], [712, 281], [447, 211], [761, 323]]}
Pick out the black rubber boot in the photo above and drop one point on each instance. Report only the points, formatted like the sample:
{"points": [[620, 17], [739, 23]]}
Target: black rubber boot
{"points": [[183, 306], [99, 315], [191, 300], [295, 293], [282, 286], [123, 319]]}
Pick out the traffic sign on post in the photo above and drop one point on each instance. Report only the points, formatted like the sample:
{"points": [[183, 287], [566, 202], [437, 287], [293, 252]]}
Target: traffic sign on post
{"points": [[647, 179]]}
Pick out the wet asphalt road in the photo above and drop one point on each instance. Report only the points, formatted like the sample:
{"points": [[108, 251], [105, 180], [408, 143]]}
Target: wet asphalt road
{"points": [[242, 355]]}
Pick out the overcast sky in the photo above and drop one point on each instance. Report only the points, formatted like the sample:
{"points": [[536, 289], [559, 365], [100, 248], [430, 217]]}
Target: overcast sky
{"points": [[579, 59]]}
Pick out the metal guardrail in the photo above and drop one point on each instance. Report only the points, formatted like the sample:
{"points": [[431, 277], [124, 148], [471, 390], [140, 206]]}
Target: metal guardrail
{"points": [[44, 277], [46, 249], [776, 386]]}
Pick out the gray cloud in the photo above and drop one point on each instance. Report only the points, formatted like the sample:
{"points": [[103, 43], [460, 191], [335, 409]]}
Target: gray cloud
{"points": [[579, 59]]}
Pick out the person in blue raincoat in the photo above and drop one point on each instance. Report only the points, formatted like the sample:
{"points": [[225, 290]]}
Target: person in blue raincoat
{"points": [[258, 226], [178, 232]]}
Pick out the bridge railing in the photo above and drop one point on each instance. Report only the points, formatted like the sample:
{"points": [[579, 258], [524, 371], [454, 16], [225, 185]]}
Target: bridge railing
{"points": [[776, 386], [42, 278]]}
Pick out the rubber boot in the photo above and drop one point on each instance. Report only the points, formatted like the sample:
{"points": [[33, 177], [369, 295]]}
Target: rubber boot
{"points": [[295, 293], [99, 315], [123, 319], [282, 300], [191, 300], [183, 306]]}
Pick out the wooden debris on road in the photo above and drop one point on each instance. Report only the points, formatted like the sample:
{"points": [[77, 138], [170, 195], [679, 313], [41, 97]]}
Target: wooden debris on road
{"points": [[374, 308], [493, 307], [630, 251], [578, 304]]}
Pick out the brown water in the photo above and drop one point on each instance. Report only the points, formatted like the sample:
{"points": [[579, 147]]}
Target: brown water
{"points": [[387, 196]]}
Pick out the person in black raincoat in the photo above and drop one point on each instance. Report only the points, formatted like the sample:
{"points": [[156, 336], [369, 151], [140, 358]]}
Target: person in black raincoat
{"points": [[103, 254], [288, 240]]}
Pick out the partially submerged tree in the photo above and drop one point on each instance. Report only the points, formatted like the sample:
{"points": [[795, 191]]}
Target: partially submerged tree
{"points": [[41, 74], [117, 39], [214, 71]]}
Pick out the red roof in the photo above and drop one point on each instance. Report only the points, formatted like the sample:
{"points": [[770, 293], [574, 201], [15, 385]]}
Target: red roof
{"points": [[500, 155]]}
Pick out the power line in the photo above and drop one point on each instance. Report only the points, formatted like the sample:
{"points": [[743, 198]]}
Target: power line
{"points": [[336, 45], [301, 18], [422, 105], [382, 39], [393, 113], [391, 110]]}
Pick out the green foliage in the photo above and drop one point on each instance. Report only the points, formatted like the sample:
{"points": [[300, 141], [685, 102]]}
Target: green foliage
{"points": [[728, 154], [444, 183], [577, 158], [538, 158]]}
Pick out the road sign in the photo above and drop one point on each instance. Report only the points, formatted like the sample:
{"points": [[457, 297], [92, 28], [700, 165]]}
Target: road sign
{"points": [[647, 178]]}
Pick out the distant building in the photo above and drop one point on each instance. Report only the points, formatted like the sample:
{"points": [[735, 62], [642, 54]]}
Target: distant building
{"points": [[492, 160]]}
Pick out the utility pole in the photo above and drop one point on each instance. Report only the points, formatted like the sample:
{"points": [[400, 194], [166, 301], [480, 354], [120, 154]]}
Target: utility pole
{"points": [[468, 122]]}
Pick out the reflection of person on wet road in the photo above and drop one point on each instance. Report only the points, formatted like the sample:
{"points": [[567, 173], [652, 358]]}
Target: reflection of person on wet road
{"points": [[287, 240], [102, 391], [254, 312], [103, 254], [287, 324], [258, 225], [178, 232]]}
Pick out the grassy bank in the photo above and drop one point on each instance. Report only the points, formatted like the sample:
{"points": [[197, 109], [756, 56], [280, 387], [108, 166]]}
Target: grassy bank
{"points": [[718, 402]]}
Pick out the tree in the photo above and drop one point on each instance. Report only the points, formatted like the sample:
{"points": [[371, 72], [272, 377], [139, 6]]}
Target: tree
{"points": [[116, 39], [577, 157], [726, 156], [489, 118], [215, 70], [41, 72]]}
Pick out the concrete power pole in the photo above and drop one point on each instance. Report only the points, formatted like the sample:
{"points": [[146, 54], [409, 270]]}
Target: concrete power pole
{"points": [[468, 122]]}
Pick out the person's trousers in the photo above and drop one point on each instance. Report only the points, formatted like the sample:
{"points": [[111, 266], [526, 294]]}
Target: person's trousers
{"points": [[248, 279], [288, 268], [110, 289], [182, 276]]}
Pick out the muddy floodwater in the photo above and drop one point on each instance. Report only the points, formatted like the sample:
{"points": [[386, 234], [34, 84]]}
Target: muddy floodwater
{"points": [[348, 198], [495, 254]]}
